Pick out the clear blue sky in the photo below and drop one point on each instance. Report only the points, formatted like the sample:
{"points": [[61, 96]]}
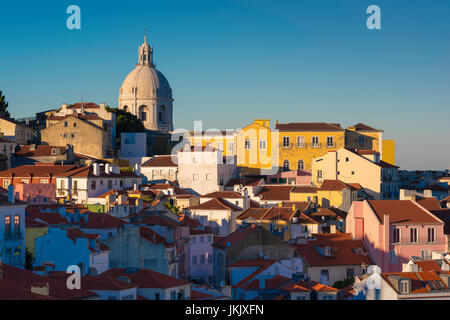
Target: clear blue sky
{"points": [[231, 61]]}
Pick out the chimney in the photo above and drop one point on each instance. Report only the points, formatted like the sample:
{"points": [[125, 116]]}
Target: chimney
{"points": [[333, 228], [11, 193], [64, 106], [262, 283], [122, 199], [135, 187], [137, 169], [96, 167]]}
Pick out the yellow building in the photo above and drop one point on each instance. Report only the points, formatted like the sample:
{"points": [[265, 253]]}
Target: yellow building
{"points": [[17, 132], [254, 148], [364, 137], [300, 143], [33, 229], [378, 178], [388, 151]]}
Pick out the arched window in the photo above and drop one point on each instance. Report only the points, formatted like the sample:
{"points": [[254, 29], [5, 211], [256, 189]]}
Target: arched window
{"points": [[300, 165], [143, 113], [162, 111], [125, 108], [286, 165]]}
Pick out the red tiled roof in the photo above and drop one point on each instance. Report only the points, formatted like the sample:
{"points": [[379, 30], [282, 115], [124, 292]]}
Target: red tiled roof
{"points": [[102, 221], [295, 287], [51, 218], [188, 221], [161, 161], [16, 285], [33, 223], [85, 105], [402, 211], [275, 192], [146, 278], [151, 236], [342, 253], [429, 204], [215, 204], [418, 280], [248, 181], [224, 195], [334, 185], [365, 127], [304, 189], [280, 213], [236, 236], [76, 233], [41, 170], [428, 265], [254, 213], [309, 126], [39, 151], [158, 220]]}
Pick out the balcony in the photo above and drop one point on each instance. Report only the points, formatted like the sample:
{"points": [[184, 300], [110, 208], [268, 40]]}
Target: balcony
{"points": [[301, 145], [316, 145], [17, 235], [331, 145]]}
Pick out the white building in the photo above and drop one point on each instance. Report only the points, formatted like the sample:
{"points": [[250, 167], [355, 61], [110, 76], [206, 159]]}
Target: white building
{"points": [[91, 181], [204, 169], [160, 168]]}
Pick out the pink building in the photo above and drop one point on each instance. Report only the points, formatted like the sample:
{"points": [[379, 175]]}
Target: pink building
{"points": [[201, 255], [35, 193], [395, 230], [297, 177]]}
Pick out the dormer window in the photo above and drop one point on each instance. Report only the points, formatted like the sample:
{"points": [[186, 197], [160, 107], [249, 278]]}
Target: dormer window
{"points": [[404, 286], [327, 251]]}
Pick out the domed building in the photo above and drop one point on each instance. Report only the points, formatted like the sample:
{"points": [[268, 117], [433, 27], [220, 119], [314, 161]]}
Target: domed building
{"points": [[146, 93]]}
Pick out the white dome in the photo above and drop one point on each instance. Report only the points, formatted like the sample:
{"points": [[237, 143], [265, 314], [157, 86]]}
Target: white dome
{"points": [[146, 93], [146, 82]]}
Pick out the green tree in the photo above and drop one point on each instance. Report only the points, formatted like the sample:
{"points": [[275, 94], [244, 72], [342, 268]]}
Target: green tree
{"points": [[125, 122], [340, 284], [172, 208], [3, 106], [29, 259]]}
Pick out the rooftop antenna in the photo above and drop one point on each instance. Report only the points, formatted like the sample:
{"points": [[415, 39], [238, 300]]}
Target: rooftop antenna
{"points": [[82, 104]]}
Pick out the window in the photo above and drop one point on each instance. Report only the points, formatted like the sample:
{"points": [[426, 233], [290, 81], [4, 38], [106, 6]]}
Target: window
{"points": [[109, 184], [413, 235], [121, 183], [65, 124], [396, 235], [75, 185], [324, 276], [300, 165], [328, 298], [392, 256], [262, 144], [431, 235], [285, 142], [173, 295], [404, 286], [62, 184], [300, 142], [194, 259], [157, 296], [230, 146], [195, 177], [6, 183], [319, 175], [248, 144], [286, 165], [7, 224], [160, 116], [361, 140], [315, 142], [426, 254], [93, 184], [220, 146], [330, 142], [202, 259], [350, 273]]}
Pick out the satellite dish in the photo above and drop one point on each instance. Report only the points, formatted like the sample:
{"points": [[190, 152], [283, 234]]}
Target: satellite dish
{"points": [[222, 284]]}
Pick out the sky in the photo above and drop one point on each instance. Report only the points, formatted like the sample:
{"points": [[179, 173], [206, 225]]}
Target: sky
{"points": [[231, 61]]}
